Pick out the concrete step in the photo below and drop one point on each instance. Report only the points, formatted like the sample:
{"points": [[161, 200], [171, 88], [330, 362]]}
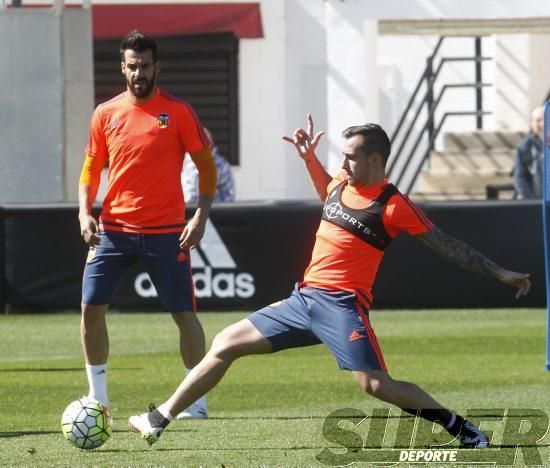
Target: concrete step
{"points": [[497, 162], [447, 196], [458, 182], [457, 196], [482, 140]]}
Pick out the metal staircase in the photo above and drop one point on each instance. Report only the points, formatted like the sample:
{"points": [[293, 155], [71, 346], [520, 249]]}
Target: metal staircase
{"points": [[463, 155]]}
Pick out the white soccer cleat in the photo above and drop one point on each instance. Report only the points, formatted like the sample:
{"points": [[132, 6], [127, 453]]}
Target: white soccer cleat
{"points": [[141, 424], [472, 437], [195, 411]]}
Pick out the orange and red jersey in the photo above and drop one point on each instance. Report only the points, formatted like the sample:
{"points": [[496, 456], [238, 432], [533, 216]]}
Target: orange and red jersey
{"points": [[145, 145], [341, 260]]}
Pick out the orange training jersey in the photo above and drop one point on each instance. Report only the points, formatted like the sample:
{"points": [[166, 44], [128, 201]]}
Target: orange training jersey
{"points": [[145, 145], [342, 261]]}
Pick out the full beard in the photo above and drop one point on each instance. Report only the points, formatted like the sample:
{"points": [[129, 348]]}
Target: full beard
{"points": [[142, 87]]}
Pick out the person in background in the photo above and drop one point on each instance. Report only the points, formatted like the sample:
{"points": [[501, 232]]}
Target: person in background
{"points": [[528, 165], [225, 188]]}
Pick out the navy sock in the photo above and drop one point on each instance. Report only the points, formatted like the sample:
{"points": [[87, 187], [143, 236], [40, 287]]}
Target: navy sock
{"points": [[157, 420], [444, 417]]}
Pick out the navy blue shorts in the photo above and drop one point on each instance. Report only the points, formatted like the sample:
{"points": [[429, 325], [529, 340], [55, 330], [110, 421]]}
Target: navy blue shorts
{"points": [[311, 316], [168, 266]]}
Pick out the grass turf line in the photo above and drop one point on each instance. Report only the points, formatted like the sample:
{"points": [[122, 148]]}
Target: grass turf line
{"points": [[269, 410]]}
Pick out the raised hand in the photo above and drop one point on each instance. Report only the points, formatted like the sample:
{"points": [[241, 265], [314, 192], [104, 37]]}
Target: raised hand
{"points": [[304, 141]]}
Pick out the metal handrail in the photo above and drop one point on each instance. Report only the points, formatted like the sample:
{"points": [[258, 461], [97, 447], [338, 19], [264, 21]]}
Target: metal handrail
{"points": [[429, 90], [428, 99], [432, 111], [415, 92]]}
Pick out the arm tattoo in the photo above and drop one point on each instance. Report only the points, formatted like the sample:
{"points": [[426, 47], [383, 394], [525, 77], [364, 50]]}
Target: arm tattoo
{"points": [[458, 252]]}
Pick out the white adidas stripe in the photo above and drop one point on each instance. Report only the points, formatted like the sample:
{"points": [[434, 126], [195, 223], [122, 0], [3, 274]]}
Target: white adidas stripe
{"points": [[211, 251]]}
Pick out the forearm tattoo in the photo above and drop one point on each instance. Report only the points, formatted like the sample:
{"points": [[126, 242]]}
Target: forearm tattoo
{"points": [[458, 252]]}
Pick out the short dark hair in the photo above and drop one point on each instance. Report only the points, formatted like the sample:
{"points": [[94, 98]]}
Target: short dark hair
{"points": [[138, 42], [375, 139]]}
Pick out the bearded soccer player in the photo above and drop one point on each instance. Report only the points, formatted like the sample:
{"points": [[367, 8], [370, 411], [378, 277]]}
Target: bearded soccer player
{"points": [[144, 134], [362, 213]]}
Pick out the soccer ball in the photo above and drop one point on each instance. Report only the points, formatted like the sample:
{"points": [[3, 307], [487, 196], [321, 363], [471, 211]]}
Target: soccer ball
{"points": [[86, 423]]}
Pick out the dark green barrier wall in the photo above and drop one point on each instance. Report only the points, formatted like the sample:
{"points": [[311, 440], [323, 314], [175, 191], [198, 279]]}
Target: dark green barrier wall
{"points": [[269, 245]]}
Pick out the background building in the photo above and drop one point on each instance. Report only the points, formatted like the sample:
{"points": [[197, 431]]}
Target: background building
{"points": [[253, 69]]}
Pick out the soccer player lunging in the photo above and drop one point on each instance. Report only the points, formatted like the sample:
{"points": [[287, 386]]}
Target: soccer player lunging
{"points": [[362, 213], [144, 134]]}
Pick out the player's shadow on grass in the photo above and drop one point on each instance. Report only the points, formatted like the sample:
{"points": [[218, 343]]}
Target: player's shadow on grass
{"points": [[14, 434], [60, 369], [213, 449], [351, 417]]}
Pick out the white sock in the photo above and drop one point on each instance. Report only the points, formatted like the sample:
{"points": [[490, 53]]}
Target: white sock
{"points": [[201, 402], [164, 411], [97, 380]]}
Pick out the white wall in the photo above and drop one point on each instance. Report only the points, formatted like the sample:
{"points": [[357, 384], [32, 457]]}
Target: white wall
{"points": [[31, 101], [401, 62], [47, 96], [522, 77], [78, 89], [352, 96], [281, 78]]}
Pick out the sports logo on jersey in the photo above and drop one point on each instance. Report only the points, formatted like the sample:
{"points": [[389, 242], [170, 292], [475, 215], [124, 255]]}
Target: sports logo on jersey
{"points": [[215, 272], [333, 210], [163, 120]]}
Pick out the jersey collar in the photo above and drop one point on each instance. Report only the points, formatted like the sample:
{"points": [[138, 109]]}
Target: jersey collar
{"points": [[369, 191]]}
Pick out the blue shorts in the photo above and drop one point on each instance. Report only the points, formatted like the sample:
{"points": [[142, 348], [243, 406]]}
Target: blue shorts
{"points": [[168, 266], [311, 316]]}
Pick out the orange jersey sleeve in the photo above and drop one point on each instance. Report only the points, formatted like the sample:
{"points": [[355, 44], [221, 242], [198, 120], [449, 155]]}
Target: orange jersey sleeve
{"points": [[208, 174], [192, 134], [338, 178], [97, 143], [401, 214]]}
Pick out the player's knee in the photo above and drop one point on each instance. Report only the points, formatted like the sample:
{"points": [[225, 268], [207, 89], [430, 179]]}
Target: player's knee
{"points": [[186, 320], [376, 384], [93, 315], [225, 345]]}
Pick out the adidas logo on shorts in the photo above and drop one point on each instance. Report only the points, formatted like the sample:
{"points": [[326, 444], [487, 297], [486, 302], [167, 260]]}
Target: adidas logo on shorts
{"points": [[355, 335]]}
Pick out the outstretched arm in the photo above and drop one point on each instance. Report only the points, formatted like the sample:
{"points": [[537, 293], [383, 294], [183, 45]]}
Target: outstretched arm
{"points": [[462, 254], [305, 144]]}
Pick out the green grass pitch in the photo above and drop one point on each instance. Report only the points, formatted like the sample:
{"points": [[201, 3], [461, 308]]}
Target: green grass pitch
{"points": [[271, 410]]}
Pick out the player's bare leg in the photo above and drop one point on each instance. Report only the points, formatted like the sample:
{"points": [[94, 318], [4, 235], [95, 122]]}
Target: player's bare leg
{"points": [[192, 350], [93, 333], [413, 399], [192, 347], [237, 340], [95, 344], [398, 392]]}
